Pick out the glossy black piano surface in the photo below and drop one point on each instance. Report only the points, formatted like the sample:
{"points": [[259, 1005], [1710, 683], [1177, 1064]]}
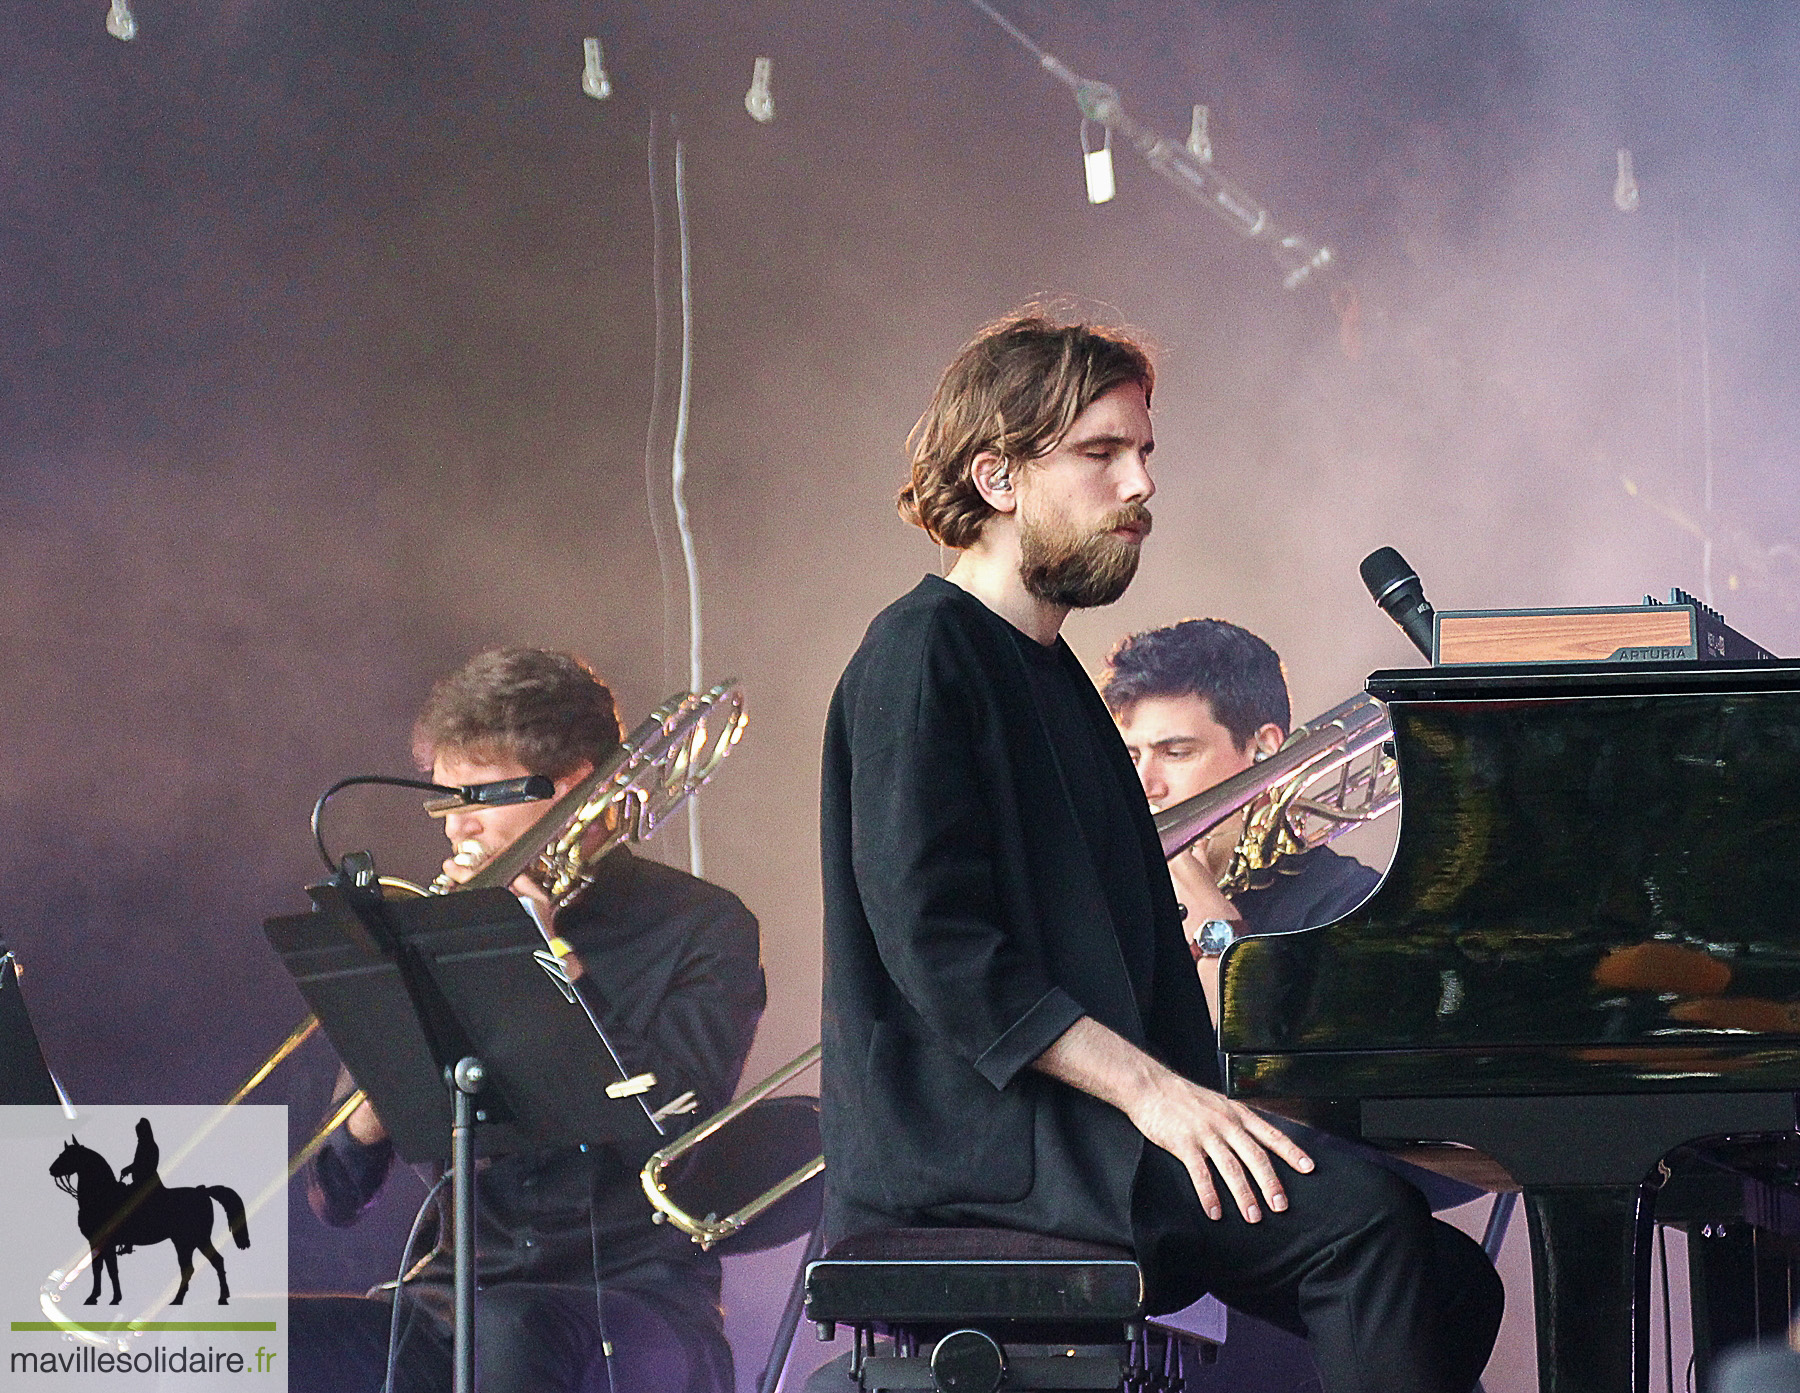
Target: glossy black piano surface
{"points": [[1585, 954], [1596, 888]]}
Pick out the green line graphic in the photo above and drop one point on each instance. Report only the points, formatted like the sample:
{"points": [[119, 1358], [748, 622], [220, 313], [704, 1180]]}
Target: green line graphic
{"points": [[102, 1326]]}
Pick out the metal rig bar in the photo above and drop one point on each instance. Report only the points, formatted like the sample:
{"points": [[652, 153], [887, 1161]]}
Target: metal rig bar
{"points": [[1299, 257]]}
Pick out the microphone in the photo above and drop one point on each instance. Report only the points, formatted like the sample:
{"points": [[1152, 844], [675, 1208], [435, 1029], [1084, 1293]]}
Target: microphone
{"points": [[501, 792], [497, 794], [1395, 586], [527, 789]]}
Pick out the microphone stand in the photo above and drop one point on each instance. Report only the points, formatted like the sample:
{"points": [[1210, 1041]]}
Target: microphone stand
{"points": [[466, 1078], [1299, 256]]}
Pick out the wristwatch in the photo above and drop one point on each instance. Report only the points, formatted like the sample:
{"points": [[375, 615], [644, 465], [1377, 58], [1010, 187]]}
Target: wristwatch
{"points": [[1214, 937]]}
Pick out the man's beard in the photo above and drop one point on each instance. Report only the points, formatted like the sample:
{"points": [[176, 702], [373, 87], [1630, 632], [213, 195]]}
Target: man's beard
{"points": [[1080, 572]]}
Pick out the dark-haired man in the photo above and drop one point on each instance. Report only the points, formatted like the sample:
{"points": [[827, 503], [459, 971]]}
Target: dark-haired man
{"points": [[1197, 702], [1014, 1032], [579, 1290]]}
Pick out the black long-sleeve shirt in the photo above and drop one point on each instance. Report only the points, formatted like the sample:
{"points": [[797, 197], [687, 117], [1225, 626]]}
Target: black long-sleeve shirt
{"points": [[991, 874], [677, 963], [1316, 887]]}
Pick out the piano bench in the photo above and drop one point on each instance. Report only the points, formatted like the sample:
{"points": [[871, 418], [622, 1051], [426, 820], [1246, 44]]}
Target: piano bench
{"points": [[965, 1310]]}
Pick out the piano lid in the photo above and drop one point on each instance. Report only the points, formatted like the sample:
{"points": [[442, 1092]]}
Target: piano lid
{"points": [[1596, 888]]}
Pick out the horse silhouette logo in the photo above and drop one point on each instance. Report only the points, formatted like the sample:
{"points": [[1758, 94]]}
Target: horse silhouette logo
{"points": [[116, 1215]]}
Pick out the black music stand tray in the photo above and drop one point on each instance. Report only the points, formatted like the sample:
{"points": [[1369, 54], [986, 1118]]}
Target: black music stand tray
{"points": [[24, 1077], [431, 1002]]}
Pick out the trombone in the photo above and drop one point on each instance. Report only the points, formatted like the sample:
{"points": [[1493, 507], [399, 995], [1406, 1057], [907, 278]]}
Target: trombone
{"points": [[1332, 774], [668, 758], [712, 1229]]}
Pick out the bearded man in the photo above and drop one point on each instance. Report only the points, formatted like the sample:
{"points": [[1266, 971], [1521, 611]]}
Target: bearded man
{"points": [[1014, 1032]]}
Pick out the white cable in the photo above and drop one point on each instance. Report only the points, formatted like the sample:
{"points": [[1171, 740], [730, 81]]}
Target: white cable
{"points": [[1706, 434], [652, 495], [678, 478], [412, 1238]]}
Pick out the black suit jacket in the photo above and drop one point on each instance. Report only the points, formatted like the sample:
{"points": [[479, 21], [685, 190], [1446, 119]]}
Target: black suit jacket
{"points": [[968, 925]]}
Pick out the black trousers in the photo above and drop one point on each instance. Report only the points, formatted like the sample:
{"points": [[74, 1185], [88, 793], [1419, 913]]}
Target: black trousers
{"points": [[529, 1338], [1389, 1299]]}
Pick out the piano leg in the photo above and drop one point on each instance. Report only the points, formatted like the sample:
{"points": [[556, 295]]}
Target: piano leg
{"points": [[1742, 1281], [1592, 1289]]}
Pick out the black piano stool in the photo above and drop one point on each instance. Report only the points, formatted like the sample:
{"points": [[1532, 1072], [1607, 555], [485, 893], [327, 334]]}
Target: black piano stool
{"points": [[962, 1310]]}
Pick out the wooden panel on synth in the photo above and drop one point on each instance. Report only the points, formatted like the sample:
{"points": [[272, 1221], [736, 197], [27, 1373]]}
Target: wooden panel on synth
{"points": [[1659, 633]]}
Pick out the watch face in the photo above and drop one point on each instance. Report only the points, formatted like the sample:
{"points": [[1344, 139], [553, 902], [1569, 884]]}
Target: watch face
{"points": [[1215, 936]]}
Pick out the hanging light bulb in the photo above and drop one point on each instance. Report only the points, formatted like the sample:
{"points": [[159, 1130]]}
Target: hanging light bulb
{"points": [[120, 22], [1199, 141], [594, 80], [1098, 165], [759, 101], [1625, 187]]}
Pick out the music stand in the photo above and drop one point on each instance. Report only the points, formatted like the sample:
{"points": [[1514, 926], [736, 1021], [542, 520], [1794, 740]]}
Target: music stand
{"points": [[431, 1002], [24, 1077]]}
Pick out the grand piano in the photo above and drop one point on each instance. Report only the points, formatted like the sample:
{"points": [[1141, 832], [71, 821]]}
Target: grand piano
{"points": [[1583, 962]]}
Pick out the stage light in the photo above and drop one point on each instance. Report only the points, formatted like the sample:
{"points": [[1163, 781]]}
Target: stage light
{"points": [[594, 80], [1098, 166], [120, 22], [1199, 141], [1625, 187], [759, 101]]}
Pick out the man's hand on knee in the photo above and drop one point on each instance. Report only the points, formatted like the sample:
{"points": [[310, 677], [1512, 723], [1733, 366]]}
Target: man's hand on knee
{"points": [[1201, 1129], [1209, 1132]]}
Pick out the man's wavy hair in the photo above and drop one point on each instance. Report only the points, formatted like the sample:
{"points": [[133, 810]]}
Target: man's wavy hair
{"points": [[1237, 673], [546, 710], [1015, 389]]}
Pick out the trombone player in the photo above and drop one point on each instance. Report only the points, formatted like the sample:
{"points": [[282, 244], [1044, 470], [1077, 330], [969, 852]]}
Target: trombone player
{"points": [[579, 1289], [1196, 703]]}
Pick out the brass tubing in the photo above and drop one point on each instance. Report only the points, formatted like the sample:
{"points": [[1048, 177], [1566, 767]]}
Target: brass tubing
{"points": [[1322, 745], [736, 1220], [337, 1119], [648, 777], [301, 1034], [656, 761], [1272, 794], [709, 1230]]}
